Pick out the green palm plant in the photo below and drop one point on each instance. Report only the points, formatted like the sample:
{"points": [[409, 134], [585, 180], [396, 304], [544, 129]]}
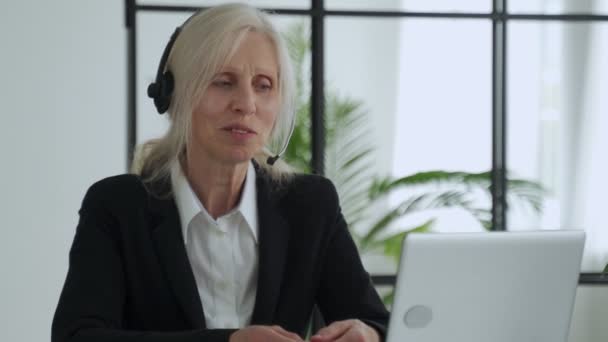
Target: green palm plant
{"points": [[441, 189], [349, 157]]}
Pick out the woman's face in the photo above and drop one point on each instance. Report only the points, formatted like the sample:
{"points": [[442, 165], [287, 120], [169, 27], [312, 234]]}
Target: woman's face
{"points": [[238, 109]]}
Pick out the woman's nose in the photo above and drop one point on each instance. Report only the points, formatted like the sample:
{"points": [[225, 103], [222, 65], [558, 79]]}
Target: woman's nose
{"points": [[244, 101]]}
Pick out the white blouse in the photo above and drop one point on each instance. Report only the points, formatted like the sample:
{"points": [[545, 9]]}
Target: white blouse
{"points": [[223, 253]]}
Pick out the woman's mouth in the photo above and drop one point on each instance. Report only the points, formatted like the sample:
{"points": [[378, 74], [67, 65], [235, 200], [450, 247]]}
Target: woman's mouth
{"points": [[239, 132]]}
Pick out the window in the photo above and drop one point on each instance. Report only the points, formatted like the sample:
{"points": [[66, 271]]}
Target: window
{"points": [[429, 80]]}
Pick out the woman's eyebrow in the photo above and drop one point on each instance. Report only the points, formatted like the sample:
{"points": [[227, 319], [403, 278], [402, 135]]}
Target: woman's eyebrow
{"points": [[257, 71], [268, 72]]}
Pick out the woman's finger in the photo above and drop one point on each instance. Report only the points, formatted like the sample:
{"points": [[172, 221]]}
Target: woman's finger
{"points": [[279, 330], [332, 331]]}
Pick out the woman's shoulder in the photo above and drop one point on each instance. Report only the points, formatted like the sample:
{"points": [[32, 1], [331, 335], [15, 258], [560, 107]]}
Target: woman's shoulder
{"points": [[124, 188], [303, 182], [312, 189]]}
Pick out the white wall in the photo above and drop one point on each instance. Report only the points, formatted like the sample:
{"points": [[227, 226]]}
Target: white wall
{"points": [[62, 126]]}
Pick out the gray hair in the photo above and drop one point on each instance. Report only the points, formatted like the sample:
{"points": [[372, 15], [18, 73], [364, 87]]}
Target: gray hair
{"points": [[206, 41]]}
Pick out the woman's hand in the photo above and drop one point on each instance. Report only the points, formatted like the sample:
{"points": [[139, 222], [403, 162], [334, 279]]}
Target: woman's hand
{"points": [[262, 333], [352, 330]]}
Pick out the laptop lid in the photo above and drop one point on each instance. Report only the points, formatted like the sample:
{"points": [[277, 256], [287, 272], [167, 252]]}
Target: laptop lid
{"points": [[498, 286]]}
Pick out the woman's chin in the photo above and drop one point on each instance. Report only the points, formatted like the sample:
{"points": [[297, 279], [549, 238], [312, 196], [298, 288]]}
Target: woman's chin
{"points": [[238, 156], [226, 155]]}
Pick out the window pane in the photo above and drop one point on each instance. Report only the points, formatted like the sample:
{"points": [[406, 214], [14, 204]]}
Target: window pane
{"points": [[557, 127], [412, 5], [257, 3], [154, 30], [558, 6], [422, 97]]}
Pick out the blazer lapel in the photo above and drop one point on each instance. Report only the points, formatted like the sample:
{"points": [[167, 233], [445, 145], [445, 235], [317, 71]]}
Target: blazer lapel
{"points": [[169, 242], [272, 249]]}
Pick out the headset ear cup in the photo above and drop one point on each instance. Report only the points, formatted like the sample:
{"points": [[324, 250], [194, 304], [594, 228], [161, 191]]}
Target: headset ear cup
{"points": [[162, 89], [168, 84], [153, 90], [165, 91]]}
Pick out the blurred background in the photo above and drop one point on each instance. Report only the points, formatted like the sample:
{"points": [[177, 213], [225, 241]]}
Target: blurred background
{"points": [[408, 126]]}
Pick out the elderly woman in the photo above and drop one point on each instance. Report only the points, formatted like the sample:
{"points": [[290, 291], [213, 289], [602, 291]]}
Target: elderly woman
{"points": [[210, 240]]}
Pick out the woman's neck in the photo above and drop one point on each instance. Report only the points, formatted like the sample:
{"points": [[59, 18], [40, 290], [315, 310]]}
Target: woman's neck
{"points": [[217, 186]]}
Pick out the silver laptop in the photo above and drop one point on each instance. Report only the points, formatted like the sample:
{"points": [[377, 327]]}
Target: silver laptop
{"points": [[486, 287]]}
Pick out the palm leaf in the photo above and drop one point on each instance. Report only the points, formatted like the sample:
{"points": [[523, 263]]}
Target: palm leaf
{"points": [[410, 205], [383, 186], [519, 190]]}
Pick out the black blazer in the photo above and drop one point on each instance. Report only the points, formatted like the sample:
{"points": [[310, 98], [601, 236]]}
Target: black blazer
{"points": [[129, 277]]}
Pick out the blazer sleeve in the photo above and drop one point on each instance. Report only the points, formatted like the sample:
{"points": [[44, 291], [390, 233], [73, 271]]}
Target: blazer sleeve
{"points": [[346, 290], [91, 304]]}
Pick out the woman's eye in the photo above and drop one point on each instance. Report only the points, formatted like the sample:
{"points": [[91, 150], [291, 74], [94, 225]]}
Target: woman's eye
{"points": [[222, 83], [264, 86]]}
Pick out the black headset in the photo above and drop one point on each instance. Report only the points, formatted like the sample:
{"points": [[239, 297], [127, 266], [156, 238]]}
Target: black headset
{"points": [[162, 88]]}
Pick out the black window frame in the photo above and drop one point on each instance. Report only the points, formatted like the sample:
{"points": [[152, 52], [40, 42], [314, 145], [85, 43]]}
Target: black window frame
{"points": [[317, 12]]}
